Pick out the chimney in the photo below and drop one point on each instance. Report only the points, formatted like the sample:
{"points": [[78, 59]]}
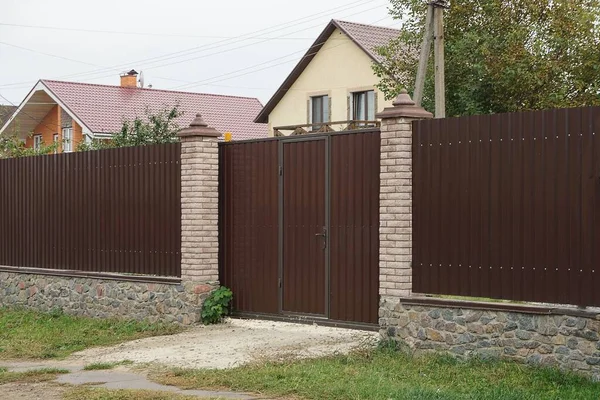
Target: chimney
{"points": [[129, 79]]}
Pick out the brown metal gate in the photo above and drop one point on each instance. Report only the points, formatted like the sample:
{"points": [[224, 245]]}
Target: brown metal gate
{"points": [[304, 226], [299, 226]]}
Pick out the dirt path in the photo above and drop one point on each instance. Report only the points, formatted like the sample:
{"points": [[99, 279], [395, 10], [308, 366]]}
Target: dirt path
{"points": [[32, 391], [227, 345], [231, 344]]}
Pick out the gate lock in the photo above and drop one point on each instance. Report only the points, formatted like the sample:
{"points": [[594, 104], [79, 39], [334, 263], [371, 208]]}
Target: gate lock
{"points": [[324, 235]]}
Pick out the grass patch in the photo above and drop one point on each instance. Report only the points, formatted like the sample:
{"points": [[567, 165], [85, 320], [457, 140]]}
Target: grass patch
{"points": [[387, 374], [33, 376], [106, 365], [89, 393], [29, 334]]}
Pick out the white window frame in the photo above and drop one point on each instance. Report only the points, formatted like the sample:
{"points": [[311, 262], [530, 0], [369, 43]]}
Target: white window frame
{"points": [[55, 138], [67, 135], [37, 142]]}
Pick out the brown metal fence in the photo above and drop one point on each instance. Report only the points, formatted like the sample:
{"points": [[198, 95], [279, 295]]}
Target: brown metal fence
{"points": [[507, 206], [116, 210]]}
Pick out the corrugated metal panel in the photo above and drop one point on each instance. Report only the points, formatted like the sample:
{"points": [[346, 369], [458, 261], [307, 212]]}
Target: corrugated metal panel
{"points": [[248, 198], [304, 268], [354, 229], [116, 210], [506, 206]]}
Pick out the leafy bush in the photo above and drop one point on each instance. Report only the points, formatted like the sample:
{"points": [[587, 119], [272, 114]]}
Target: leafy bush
{"points": [[12, 146], [216, 306], [155, 128]]}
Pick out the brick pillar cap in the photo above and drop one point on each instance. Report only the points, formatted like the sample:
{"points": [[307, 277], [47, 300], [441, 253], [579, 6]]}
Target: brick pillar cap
{"points": [[404, 106], [198, 128]]}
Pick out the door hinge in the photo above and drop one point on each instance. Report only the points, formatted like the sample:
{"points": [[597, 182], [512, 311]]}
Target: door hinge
{"points": [[279, 282], [280, 170]]}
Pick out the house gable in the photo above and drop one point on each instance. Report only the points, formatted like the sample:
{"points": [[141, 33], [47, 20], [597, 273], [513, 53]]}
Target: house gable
{"points": [[37, 106], [338, 68]]}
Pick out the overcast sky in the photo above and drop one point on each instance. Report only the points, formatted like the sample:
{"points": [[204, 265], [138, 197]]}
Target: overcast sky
{"points": [[231, 47]]}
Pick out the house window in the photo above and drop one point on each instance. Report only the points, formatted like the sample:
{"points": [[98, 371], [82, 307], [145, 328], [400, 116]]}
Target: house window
{"points": [[37, 142], [55, 138], [363, 106], [319, 110], [67, 140]]}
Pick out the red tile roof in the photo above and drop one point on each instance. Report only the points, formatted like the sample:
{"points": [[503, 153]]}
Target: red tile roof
{"points": [[367, 37], [102, 108]]}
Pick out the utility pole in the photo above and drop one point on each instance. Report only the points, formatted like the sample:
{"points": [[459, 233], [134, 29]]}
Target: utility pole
{"points": [[425, 48], [438, 54], [434, 29]]}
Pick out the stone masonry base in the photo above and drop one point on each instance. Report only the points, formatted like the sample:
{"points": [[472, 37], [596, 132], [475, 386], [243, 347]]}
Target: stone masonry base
{"points": [[104, 298], [567, 342]]}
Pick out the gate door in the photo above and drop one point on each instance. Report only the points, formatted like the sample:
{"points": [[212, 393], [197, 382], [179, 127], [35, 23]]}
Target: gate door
{"points": [[305, 228]]}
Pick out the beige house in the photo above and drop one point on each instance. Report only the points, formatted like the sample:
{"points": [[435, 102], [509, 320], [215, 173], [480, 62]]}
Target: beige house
{"points": [[333, 82]]}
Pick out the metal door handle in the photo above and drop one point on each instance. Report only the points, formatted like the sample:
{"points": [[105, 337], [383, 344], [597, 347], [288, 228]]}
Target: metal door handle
{"points": [[324, 235]]}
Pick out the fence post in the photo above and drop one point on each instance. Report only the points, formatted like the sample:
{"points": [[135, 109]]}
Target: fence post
{"points": [[395, 207], [199, 206]]}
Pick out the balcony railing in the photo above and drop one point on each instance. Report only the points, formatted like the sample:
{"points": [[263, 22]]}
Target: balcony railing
{"points": [[323, 127]]}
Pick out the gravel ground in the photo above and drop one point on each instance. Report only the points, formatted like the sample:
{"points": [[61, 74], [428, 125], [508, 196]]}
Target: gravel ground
{"points": [[31, 391], [233, 343]]}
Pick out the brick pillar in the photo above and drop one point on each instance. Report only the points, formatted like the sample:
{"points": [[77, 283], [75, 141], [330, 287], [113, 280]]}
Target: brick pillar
{"points": [[199, 203], [395, 208]]}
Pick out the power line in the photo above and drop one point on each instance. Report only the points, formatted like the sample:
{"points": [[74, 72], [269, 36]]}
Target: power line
{"points": [[30, 116], [210, 80], [223, 43], [68, 59], [57, 28], [47, 54], [220, 43], [245, 70], [240, 47]]}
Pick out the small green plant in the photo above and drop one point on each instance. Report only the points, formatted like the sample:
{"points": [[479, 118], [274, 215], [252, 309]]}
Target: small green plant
{"points": [[216, 306]]}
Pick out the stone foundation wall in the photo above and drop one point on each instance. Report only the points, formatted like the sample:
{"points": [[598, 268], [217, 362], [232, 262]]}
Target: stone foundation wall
{"points": [[568, 342], [104, 298]]}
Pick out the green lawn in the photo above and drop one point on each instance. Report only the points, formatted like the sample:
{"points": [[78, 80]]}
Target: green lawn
{"points": [[29, 335], [387, 374]]}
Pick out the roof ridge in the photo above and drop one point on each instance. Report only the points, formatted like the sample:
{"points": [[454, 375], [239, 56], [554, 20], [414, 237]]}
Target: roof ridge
{"points": [[153, 90], [368, 25]]}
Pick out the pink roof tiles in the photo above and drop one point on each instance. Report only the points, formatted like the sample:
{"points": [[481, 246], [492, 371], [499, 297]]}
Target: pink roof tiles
{"points": [[102, 108]]}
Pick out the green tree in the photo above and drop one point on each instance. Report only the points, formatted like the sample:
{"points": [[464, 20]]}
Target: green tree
{"points": [[12, 146], [502, 56], [154, 128]]}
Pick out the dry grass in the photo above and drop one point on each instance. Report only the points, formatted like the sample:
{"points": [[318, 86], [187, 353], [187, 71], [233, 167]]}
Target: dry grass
{"points": [[106, 365], [34, 376], [89, 393]]}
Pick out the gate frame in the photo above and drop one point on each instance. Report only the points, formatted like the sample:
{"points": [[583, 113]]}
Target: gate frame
{"points": [[295, 317]]}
